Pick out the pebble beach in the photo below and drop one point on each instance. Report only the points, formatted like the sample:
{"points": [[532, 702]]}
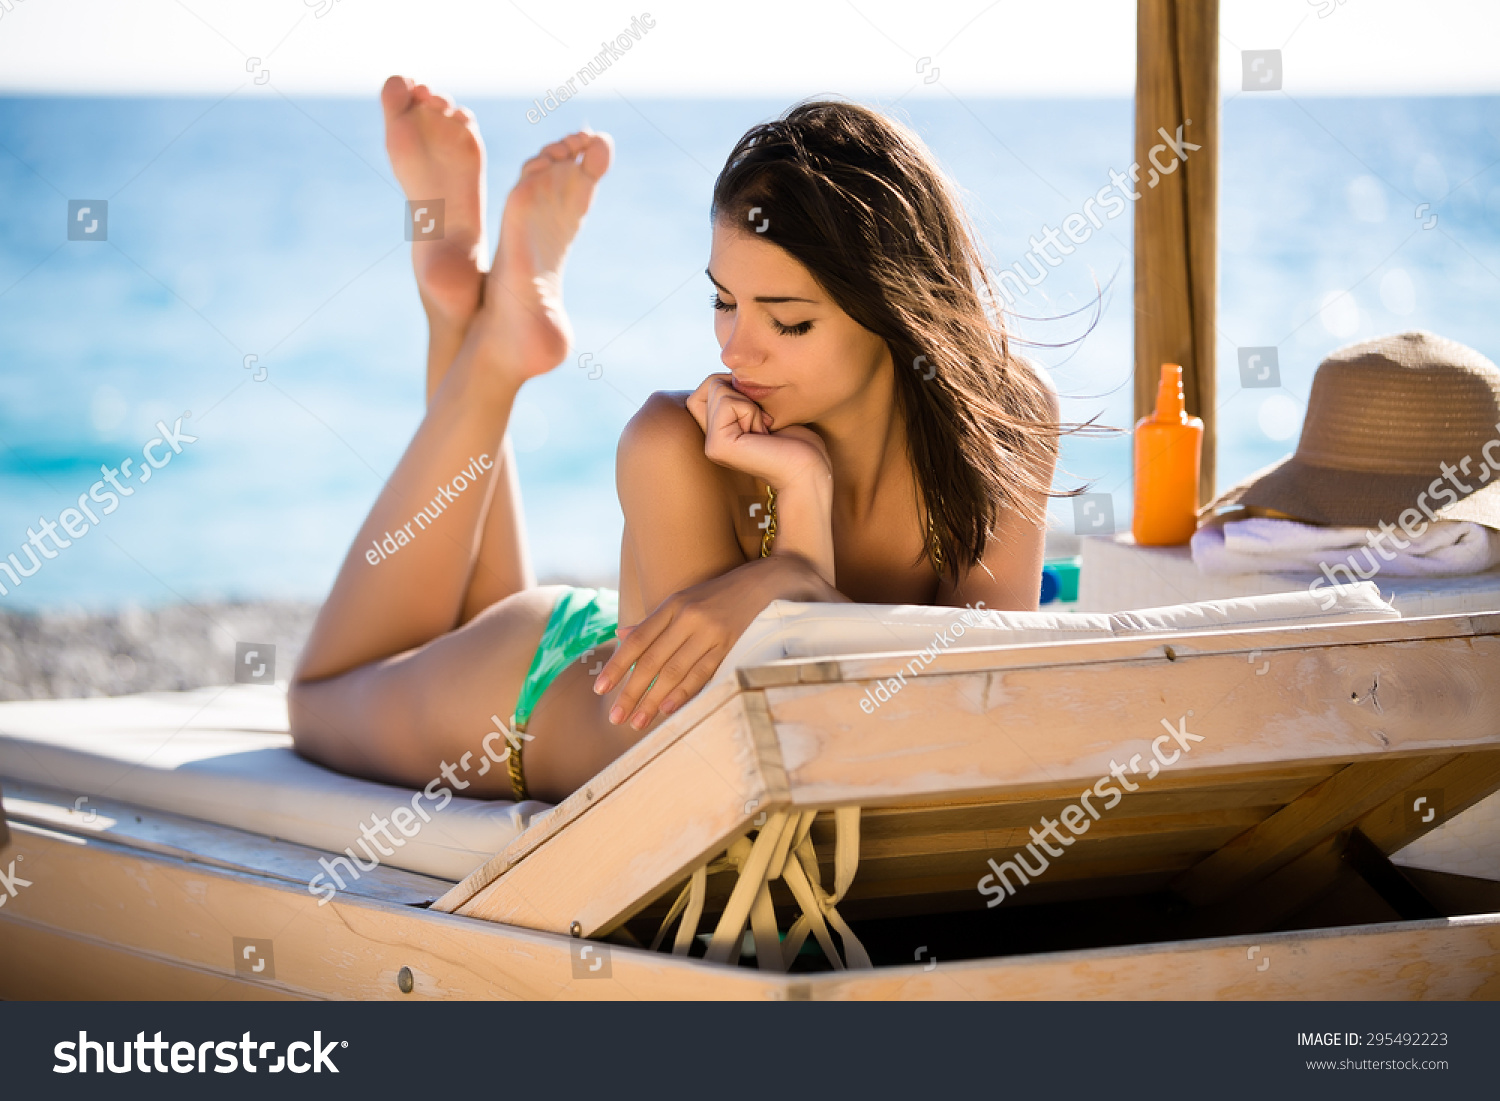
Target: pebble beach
{"points": [[69, 654]]}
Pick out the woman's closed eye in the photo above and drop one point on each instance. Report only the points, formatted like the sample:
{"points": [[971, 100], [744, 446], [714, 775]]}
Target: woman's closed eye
{"points": [[785, 330]]}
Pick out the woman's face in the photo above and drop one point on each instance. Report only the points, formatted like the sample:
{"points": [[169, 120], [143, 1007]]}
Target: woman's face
{"points": [[789, 347]]}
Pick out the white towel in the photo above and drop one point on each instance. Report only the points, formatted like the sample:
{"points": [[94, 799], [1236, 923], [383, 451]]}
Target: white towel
{"points": [[1261, 545]]}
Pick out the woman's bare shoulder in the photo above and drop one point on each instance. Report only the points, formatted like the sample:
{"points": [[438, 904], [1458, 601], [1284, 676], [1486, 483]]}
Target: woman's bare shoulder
{"points": [[663, 437], [677, 503], [662, 444], [663, 418]]}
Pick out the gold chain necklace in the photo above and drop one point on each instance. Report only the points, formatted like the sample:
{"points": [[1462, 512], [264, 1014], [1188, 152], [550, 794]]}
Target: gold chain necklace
{"points": [[768, 536]]}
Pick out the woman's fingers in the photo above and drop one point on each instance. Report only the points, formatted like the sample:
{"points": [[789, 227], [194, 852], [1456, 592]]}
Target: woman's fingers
{"points": [[698, 400], [693, 682], [673, 676], [632, 646], [732, 418], [648, 667]]}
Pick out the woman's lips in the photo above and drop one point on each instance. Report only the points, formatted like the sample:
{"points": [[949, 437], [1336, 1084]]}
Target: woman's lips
{"points": [[755, 393]]}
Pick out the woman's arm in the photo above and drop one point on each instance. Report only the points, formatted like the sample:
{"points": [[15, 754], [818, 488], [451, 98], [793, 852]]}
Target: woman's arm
{"points": [[677, 649], [739, 435], [682, 560], [678, 508]]}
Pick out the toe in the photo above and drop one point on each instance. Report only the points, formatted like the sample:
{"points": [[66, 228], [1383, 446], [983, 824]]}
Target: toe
{"points": [[536, 164], [597, 154], [395, 96], [576, 142], [442, 104]]}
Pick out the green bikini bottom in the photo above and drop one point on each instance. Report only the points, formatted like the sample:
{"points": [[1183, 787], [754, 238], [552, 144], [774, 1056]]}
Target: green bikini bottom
{"points": [[582, 620]]}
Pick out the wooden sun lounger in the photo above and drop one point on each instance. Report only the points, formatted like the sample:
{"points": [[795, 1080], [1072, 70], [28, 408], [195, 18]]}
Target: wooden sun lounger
{"points": [[780, 802], [1310, 736]]}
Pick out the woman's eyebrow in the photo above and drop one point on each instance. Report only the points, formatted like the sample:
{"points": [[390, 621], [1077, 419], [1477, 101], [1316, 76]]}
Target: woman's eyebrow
{"points": [[760, 297]]}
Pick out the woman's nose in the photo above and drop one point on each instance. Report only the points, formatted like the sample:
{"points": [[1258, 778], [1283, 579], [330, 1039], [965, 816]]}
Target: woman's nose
{"points": [[739, 350]]}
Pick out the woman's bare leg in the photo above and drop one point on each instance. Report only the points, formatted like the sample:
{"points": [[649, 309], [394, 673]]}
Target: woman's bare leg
{"points": [[387, 604], [526, 286], [436, 152]]}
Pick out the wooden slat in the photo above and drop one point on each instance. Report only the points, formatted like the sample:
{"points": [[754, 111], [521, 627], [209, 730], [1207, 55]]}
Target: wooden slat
{"points": [[1333, 805], [1176, 251], [1040, 728], [202, 843], [1264, 642], [1122, 856], [1452, 959], [700, 709], [1464, 781], [919, 898], [41, 964], [120, 923], [645, 834], [1169, 794], [1000, 841]]}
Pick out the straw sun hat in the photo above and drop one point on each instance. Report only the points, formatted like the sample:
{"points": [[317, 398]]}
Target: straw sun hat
{"points": [[1384, 419]]}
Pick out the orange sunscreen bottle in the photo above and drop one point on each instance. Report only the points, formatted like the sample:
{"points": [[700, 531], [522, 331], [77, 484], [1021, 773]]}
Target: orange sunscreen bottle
{"points": [[1168, 451]]}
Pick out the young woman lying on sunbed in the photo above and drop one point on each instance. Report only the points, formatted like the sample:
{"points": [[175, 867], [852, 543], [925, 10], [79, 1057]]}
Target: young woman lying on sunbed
{"points": [[867, 398]]}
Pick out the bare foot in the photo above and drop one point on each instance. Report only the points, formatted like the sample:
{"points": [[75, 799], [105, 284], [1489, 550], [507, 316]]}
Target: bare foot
{"points": [[523, 308], [436, 153]]}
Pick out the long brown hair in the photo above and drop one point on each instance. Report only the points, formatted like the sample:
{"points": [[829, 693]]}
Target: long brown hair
{"points": [[860, 202]]}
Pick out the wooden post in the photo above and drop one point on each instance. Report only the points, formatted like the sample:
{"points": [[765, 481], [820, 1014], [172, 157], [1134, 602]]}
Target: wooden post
{"points": [[1176, 247]]}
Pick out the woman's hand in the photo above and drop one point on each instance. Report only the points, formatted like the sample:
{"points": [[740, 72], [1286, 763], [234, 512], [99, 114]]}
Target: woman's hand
{"points": [[678, 647], [739, 434]]}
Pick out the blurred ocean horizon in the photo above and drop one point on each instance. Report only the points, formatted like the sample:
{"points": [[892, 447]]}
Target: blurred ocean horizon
{"points": [[267, 231]]}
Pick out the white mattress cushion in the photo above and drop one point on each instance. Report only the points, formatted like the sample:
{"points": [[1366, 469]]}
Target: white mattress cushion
{"points": [[788, 629], [223, 755]]}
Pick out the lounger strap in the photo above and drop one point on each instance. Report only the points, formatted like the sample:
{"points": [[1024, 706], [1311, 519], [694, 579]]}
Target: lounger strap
{"points": [[782, 849], [803, 878]]}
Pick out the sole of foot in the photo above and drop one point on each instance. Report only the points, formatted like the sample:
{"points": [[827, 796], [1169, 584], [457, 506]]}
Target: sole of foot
{"points": [[523, 305], [436, 153]]}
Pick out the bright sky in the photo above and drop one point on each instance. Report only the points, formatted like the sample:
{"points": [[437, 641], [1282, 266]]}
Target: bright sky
{"points": [[774, 48]]}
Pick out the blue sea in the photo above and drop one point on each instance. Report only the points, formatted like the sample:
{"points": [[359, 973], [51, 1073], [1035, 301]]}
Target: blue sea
{"points": [[272, 228]]}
